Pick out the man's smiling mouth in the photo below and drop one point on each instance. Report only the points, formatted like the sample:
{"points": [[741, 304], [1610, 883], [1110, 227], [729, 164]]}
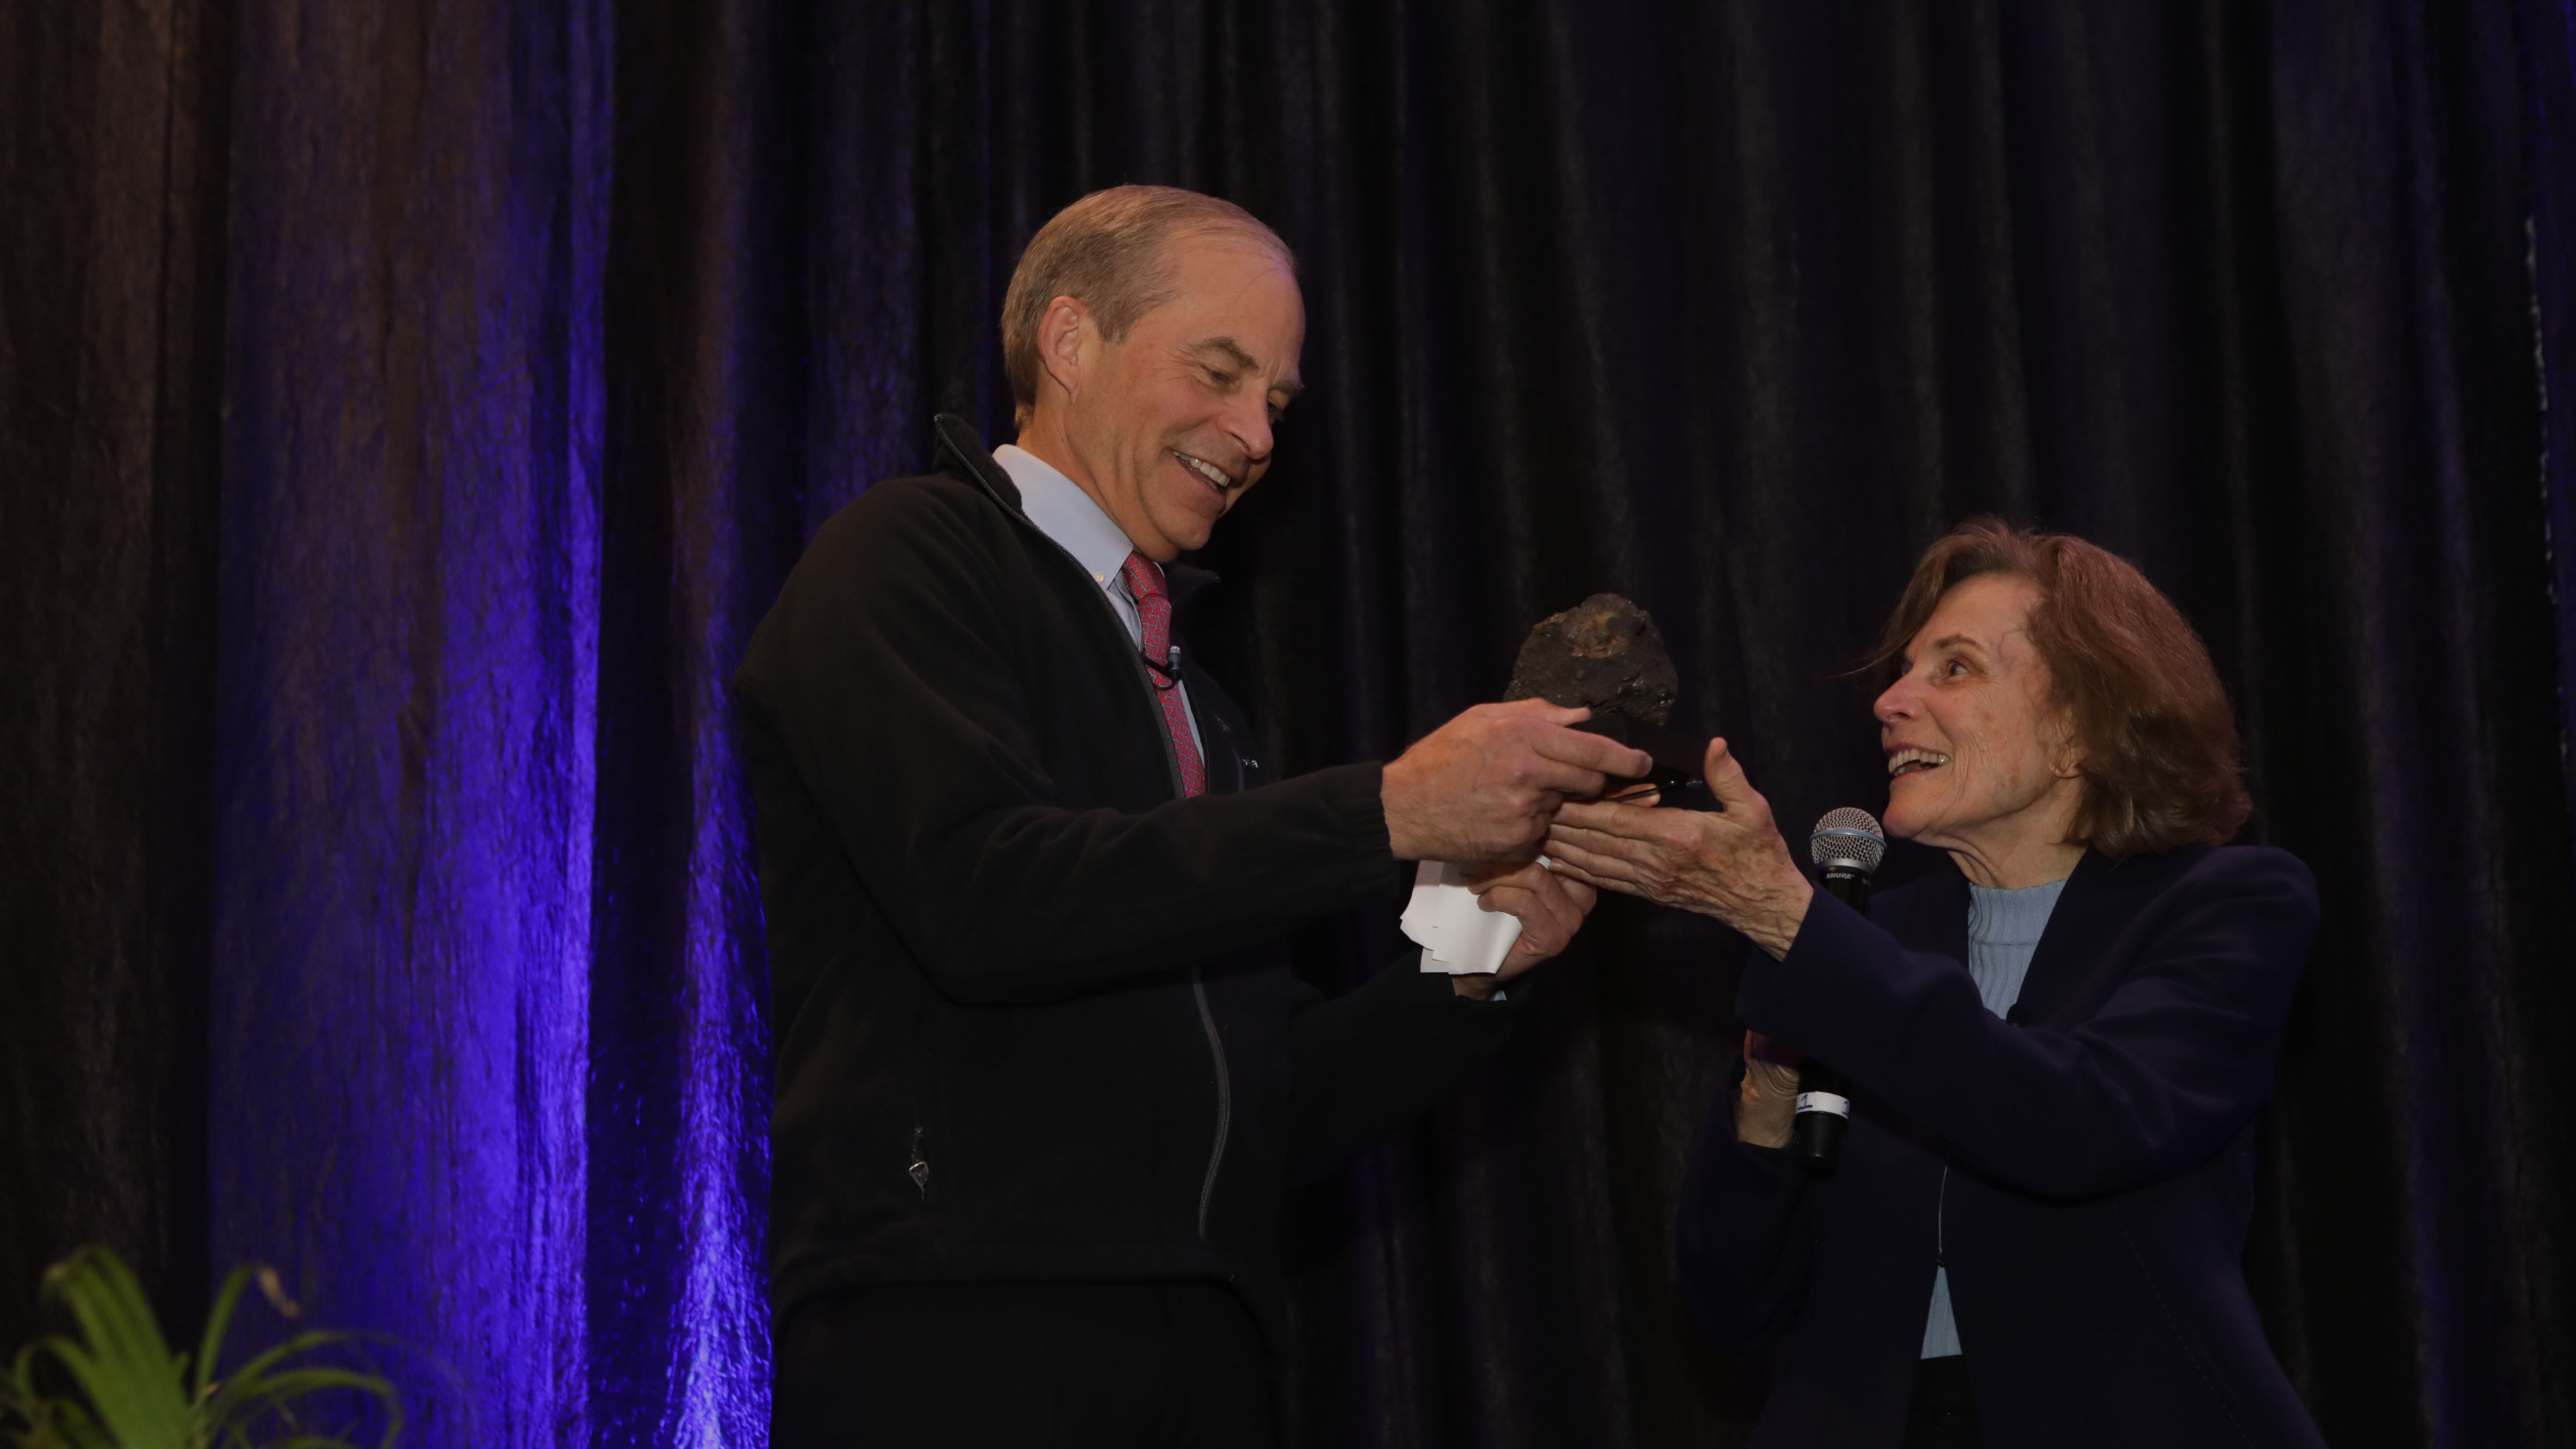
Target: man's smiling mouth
{"points": [[1907, 762], [1217, 477]]}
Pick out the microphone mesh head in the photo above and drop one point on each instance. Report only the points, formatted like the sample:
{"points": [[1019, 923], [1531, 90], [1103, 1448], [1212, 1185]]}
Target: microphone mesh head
{"points": [[1848, 837]]}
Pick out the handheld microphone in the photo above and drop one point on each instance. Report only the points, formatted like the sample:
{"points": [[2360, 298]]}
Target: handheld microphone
{"points": [[1847, 845]]}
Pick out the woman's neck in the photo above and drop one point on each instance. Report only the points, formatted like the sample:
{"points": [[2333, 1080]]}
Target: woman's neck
{"points": [[2016, 864]]}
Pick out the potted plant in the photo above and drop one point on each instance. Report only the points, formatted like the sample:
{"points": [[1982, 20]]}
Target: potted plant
{"points": [[132, 1392]]}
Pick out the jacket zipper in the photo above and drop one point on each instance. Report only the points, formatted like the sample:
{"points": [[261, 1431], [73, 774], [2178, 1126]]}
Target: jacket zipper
{"points": [[1224, 1098], [1198, 983], [1198, 986], [919, 1168]]}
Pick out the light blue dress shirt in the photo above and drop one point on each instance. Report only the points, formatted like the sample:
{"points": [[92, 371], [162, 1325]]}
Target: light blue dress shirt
{"points": [[2003, 932], [1063, 512]]}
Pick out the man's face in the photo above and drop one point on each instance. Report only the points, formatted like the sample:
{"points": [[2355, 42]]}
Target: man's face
{"points": [[1173, 423]]}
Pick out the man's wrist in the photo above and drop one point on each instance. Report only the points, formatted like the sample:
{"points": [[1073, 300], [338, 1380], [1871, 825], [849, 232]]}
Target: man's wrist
{"points": [[1356, 795], [1393, 797]]}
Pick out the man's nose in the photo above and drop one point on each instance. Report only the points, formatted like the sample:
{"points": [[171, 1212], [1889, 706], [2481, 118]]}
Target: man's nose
{"points": [[1249, 422]]}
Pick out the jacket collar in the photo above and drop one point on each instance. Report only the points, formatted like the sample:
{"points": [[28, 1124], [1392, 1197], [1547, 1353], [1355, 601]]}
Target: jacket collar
{"points": [[1932, 914], [961, 445]]}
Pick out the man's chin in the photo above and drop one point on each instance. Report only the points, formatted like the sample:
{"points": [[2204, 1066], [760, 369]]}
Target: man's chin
{"points": [[1192, 534]]}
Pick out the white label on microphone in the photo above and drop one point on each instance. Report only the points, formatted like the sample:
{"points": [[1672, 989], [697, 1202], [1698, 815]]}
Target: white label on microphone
{"points": [[1824, 1102]]}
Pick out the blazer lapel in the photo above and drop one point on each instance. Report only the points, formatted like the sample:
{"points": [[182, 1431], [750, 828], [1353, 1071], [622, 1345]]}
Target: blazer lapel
{"points": [[1930, 915], [2069, 948], [2074, 965]]}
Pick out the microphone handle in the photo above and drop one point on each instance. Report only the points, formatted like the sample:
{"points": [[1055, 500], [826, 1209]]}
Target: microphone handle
{"points": [[1824, 1109], [1824, 1097]]}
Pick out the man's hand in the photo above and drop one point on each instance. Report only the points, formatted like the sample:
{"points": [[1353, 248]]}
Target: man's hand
{"points": [[1551, 909], [1766, 1111], [1485, 785]]}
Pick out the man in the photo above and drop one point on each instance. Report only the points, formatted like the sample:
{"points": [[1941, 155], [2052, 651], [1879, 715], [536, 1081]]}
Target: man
{"points": [[1043, 1070]]}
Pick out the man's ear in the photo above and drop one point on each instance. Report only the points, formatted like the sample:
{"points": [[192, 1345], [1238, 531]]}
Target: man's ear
{"points": [[1065, 341]]}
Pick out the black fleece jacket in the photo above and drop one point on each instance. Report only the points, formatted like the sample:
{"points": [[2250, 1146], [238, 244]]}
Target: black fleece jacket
{"points": [[1032, 1019]]}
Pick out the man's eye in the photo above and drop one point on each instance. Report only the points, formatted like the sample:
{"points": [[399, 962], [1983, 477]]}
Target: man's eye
{"points": [[1220, 377]]}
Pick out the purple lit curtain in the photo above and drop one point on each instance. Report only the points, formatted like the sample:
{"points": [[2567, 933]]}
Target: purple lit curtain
{"points": [[2546, 37], [489, 1044], [489, 1069], [409, 409], [408, 690]]}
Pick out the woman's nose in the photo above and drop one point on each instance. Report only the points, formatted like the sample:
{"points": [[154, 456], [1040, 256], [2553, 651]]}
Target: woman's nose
{"points": [[1893, 704]]}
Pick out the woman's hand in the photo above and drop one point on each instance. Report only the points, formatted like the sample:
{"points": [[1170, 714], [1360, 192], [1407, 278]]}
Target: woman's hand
{"points": [[1731, 865], [1766, 1110], [1551, 909]]}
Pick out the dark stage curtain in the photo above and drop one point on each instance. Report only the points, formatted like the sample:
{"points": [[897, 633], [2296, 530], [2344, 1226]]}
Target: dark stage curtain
{"points": [[112, 172], [406, 411]]}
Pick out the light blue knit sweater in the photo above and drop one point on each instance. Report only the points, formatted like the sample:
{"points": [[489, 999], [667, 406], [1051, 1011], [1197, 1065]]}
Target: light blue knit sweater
{"points": [[2003, 930]]}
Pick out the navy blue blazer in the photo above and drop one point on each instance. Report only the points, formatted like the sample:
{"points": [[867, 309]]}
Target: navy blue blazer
{"points": [[2088, 1177]]}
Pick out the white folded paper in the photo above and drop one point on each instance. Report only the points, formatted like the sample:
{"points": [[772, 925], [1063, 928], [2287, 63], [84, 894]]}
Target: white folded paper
{"points": [[1456, 935]]}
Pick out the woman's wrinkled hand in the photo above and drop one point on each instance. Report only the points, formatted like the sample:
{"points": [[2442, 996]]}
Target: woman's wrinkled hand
{"points": [[1731, 864], [1766, 1109]]}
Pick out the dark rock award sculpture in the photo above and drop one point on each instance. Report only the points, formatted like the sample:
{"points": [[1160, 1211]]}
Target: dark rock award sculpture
{"points": [[1605, 655]]}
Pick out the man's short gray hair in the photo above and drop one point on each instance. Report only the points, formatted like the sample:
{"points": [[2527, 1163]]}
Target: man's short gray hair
{"points": [[1106, 252]]}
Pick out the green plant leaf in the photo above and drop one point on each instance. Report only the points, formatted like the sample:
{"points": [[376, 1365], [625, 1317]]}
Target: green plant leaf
{"points": [[260, 1387], [135, 1394], [125, 1368], [218, 1322], [282, 1393], [52, 1423]]}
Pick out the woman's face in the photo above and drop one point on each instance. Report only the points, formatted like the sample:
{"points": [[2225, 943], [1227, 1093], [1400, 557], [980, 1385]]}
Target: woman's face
{"points": [[1978, 759]]}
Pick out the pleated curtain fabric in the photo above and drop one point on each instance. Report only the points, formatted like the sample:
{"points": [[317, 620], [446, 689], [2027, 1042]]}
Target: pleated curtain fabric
{"points": [[406, 411]]}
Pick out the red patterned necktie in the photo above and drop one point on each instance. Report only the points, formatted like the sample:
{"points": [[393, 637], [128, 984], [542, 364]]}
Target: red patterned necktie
{"points": [[1154, 611]]}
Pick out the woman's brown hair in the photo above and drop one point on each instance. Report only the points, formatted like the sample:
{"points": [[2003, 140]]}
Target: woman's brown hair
{"points": [[2160, 751]]}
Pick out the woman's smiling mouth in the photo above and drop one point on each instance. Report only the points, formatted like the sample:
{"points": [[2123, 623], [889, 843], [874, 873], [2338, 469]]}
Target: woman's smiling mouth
{"points": [[1912, 761]]}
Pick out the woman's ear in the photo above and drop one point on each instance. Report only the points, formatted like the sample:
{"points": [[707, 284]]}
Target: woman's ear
{"points": [[2067, 761]]}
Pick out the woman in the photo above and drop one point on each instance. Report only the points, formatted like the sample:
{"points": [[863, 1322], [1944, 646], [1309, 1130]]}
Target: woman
{"points": [[2035, 1230]]}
